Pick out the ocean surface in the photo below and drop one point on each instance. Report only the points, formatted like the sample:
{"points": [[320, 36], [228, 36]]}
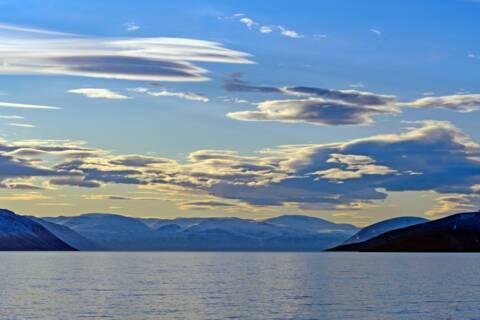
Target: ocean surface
{"points": [[239, 286]]}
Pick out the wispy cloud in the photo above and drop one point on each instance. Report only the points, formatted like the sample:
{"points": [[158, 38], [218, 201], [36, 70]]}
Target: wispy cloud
{"points": [[146, 59], [27, 30], [289, 33], [21, 125], [376, 32], [265, 29], [8, 117], [131, 26], [26, 106], [55, 204], [99, 93], [166, 93]]}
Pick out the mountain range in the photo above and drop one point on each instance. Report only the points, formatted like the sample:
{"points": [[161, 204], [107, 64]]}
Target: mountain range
{"points": [[111, 232], [284, 233]]}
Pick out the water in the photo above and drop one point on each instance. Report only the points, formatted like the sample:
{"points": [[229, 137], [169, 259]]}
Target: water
{"points": [[239, 286]]}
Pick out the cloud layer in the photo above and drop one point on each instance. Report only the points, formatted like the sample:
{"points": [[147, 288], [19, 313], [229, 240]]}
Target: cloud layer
{"points": [[435, 156]]}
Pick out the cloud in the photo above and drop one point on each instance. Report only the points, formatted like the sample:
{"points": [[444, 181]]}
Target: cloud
{"points": [[166, 93], [131, 26], [355, 167], [234, 83], [265, 29], [97, 93], [26, 30], [454, 203], [21, 125], [26, 106], [335, 107], [144, 59], [11, 117], [289, 33], [30, 196], [248, 22], [74, 182], [204, 205], [313, 111], [318, 105], [116, 197], [182, 95], [434, 156], [459, 102], [376, 32], [55, 204]]}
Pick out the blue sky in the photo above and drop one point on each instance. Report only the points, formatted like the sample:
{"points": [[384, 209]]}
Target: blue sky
{"points": [[199, 97]]}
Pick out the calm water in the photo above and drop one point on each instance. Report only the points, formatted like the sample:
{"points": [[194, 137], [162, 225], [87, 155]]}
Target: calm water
{"points": [[239, 286]]}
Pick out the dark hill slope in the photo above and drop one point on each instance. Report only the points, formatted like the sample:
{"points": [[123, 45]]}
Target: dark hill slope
{"points": [[456, 233], [378, 228]]}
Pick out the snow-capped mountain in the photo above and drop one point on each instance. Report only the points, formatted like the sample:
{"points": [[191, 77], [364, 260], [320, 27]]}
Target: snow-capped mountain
{"points": [[19, 233], [292, 233]]}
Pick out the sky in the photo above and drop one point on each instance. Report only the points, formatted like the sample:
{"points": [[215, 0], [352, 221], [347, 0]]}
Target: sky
{"points": [[353, 111]]}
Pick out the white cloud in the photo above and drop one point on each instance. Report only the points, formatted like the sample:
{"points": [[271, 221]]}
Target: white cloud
{"points": [[166, 93], [98, 93], [314, 111], [376, 31], [266, 29], [8, 117], [145, 59], [132, 26], [183, 95], [252, 24], [25, 106], [248, 22], [289, 33], [21, 125], [27, 30], [336, 107], [457, 102]]}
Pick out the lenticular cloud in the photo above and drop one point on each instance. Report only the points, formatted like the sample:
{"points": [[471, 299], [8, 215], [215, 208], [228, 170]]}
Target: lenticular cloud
{"points": [[33, 51]]}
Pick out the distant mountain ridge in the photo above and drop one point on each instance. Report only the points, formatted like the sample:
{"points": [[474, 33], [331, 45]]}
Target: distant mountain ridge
{"points": [[20, 233], [97, 231], [455, 233], [285, 233], [68, 236]]}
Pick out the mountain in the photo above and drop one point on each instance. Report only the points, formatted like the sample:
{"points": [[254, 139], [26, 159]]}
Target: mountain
{"points": [[68, 236], [286, 233], [378, 228], [19, 233], [456, 233], [109, 231], [311, 224]]}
